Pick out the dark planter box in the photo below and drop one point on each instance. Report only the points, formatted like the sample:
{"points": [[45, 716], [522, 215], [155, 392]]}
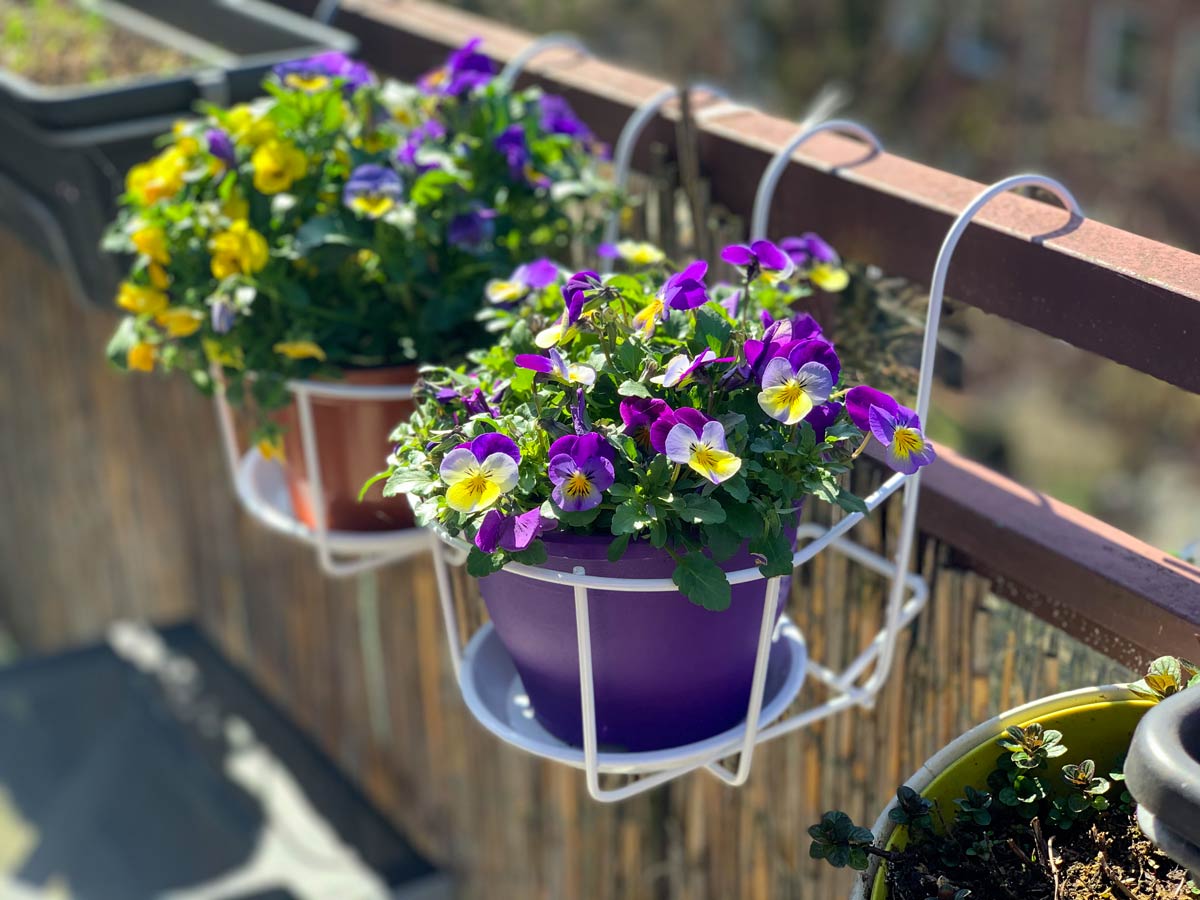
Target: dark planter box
{"points": [[66, 149]]}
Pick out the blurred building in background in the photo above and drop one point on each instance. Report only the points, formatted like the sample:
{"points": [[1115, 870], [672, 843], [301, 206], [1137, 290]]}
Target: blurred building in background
{"points": [[1104, 94]]}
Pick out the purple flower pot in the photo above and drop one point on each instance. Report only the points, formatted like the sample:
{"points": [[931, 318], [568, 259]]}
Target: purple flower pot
{"points": [[667, 672]]}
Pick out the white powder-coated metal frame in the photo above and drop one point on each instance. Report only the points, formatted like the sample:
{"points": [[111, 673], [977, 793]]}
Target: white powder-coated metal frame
{"points": [[860, 681]]}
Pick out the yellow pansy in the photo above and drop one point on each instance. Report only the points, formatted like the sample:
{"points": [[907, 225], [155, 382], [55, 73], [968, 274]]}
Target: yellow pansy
{"points": [[159, 179], [277, 164], [249, 128], [232, 358], [158, 276], [141, 300], [306, 81], [640, 253], [141, 357], [271, 449], [151, 241], [235, 207], [239, 250], [829, 278], [299, 350], [180, 321]]}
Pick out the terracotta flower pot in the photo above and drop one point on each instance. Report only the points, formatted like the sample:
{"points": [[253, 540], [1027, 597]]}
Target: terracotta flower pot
{"points": [[352, 443]]}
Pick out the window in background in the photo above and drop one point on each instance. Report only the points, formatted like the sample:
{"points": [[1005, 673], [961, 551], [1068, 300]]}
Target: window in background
{"points": [[1119, 64], [1185, 87], [911, 24], [980, 43]]}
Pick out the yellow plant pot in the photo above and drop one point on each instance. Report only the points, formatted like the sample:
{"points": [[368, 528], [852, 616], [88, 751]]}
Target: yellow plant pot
{"points": [[1096, 723]]}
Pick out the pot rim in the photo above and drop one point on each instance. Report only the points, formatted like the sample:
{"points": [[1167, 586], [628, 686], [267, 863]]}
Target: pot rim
{"points": [[983, 733]]}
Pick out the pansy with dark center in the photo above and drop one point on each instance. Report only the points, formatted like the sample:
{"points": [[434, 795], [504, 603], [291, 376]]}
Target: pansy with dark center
{"points": [[704, 452], [556, 365], [639, 414], [479, 472], [896, 427], [581, 469], [790, 393]]}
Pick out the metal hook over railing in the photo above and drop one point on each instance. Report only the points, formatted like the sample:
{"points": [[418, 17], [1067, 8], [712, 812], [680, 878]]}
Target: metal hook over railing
{"points": [[632, 130], [925, 384], [779, 163], [557, 39]]}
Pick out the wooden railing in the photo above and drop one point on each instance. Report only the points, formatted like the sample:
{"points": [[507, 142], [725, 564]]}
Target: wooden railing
{"points": [[1124, 297]]}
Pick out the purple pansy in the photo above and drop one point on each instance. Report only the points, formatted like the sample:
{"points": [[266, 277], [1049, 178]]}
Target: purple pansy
{"points": [[639, 414], [512, 533], [822, 417], [897, 427], [760, 259], [315, 71], [465, 69], [581, 468], [477, 403], [414, 152], [372, 190], [557, 117], [574, 294], [220, 146], [798, 352], [556, 365], [526, 278], [686, 289], [472, 230], [808, 249]]}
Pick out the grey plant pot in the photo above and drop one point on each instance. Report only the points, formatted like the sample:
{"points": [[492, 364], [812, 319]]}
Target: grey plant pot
{"points": [[1163, 775], [67, 149]]}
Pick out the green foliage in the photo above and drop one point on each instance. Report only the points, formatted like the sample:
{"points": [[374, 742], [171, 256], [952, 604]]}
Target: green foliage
{"points": [[911, 809], [1030, 747], [259, 263], [840, 842], [1167, 675]]}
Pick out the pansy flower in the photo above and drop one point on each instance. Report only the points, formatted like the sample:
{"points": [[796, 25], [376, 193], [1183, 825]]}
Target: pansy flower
{"points": [[760, 259], [524, 280], [660, 428], [556, 365], [683, 290], [704, 451], [418, 150], [472, 230], [480, 472], [798, 352], [820, 262], [637, 253], [512, 533], [220, 146], [317, 72], [465, 69], [789, 393], [575, 295], [557, 117], [822, 417], [372, 190], [897, 427], [639, 414], [681, 367], [581, 469]]}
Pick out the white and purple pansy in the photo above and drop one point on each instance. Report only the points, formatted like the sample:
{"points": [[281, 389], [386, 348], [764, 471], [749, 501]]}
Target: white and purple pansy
{"points": [[480, 472], [681, 368], [556, 366], [703, 451], [372, 190], [575, 295], [581, 469], [820, 262], [897, 427], [789, 393], [525, 279]]}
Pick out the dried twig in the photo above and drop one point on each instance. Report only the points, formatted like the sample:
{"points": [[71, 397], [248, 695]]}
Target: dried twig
{"points": [[1115, 877]]}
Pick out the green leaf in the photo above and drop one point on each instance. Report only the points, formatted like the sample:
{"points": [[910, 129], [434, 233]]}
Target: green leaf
{"points": [[633, 389], [851, 502], [318, 231], [744, 519], [617, 548], [405, 480], [722, 542], [533, 555], [737, 488], [702, 582], [628, 518], [776, 551], [372, 481], [699, 509], [431, 187], [480, 565]]}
